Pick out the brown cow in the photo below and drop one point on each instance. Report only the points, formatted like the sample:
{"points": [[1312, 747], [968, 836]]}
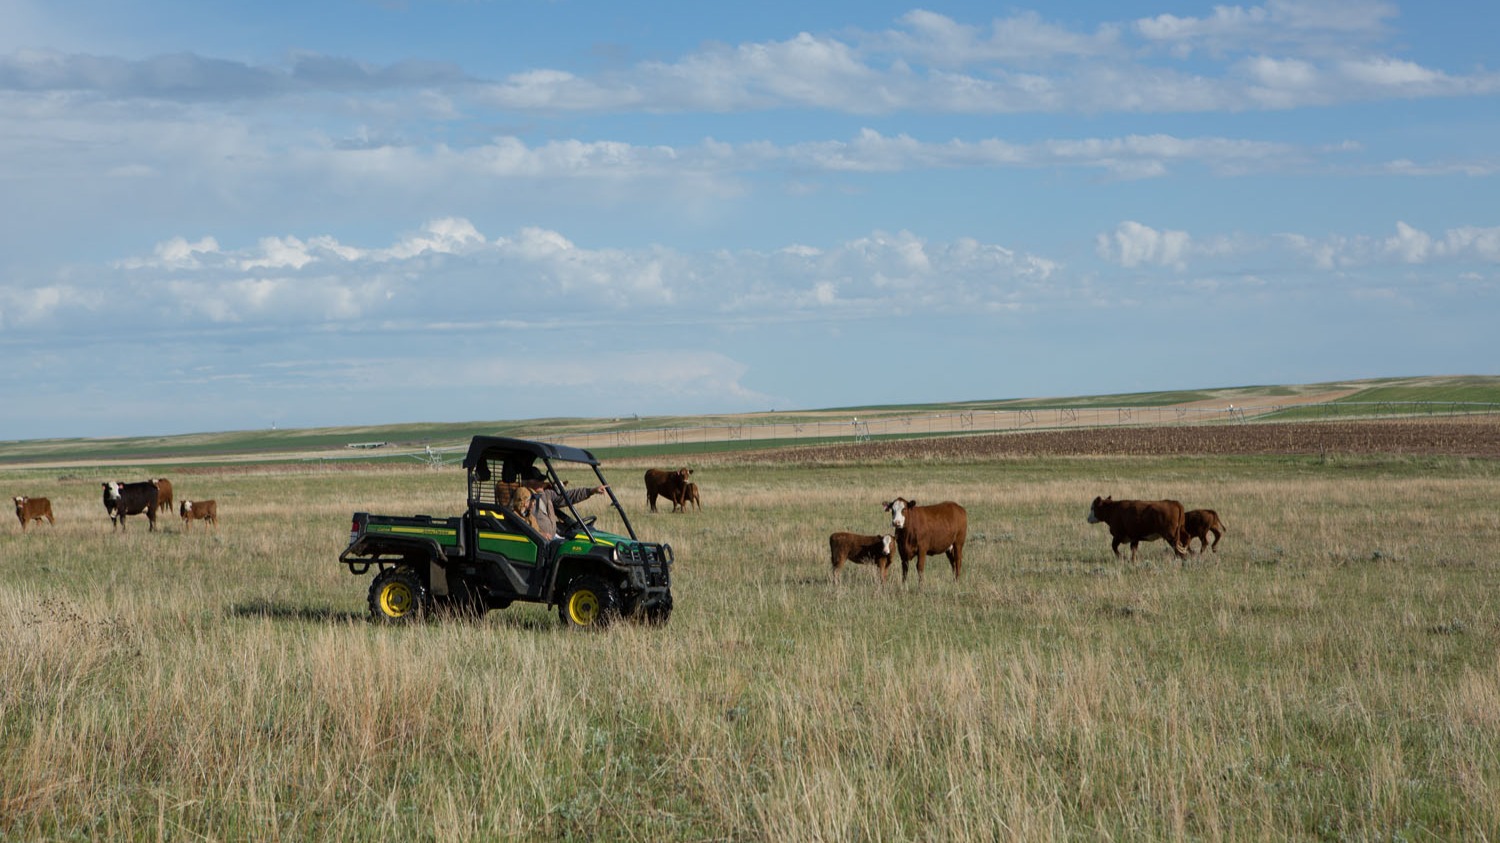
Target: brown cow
{"points": [[668, 483], [853, 547], [923, 531], [163, 494], [205, 511], [1138, 521], [1197, 524], [689, 496], [33, 509]]}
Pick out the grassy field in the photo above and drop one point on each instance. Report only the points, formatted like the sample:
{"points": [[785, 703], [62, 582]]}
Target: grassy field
{"points": [[1332, 673]]}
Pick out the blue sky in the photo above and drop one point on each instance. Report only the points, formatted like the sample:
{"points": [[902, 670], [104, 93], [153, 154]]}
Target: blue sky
{"points": [[225, 215]]}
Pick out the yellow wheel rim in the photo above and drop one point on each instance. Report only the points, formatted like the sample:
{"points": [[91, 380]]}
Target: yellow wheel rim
{"points": [[583, 607], [396, 599]]}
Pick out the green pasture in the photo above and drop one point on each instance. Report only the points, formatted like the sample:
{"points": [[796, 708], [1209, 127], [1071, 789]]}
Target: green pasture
{"points": [[1331, 674], [1476, 390]]}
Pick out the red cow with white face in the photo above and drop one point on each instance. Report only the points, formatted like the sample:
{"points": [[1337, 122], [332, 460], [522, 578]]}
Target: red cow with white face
{"points": [[923, 531]]}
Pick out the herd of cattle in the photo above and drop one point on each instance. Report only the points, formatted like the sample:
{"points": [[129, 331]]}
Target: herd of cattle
{"points": [[942, 528], [923, 531], [918, 531], [147, 497]]}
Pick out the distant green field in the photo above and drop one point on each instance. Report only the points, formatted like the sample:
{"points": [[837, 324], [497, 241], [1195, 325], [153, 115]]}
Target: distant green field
{"points": [[1405, 397], [1482, 390]]}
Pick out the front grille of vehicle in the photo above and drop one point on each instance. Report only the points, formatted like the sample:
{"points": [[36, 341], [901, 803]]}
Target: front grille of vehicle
{"points": [[655, 558]]}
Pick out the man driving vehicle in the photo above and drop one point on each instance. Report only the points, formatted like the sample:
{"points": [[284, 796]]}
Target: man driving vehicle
{"points": [[546, 499]]}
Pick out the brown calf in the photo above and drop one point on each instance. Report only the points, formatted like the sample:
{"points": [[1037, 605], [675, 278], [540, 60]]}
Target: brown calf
{"points": [[206, 511], [689, 496], [1197, 524], [33, 509], [853, 547], [163, 494]]}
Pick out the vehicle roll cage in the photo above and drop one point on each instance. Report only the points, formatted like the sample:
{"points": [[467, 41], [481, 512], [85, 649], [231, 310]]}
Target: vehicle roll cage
{"points": [[514, 456]]}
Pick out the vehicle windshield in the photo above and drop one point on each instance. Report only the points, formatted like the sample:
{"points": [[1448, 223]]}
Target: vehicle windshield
{"points": [[599, 512]]}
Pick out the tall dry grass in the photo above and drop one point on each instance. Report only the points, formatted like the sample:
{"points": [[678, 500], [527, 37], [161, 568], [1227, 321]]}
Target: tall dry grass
{"points": [[1331, 673]]}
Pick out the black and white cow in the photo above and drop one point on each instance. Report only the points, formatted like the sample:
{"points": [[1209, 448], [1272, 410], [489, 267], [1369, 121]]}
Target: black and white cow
{"points": [[122, 499]]}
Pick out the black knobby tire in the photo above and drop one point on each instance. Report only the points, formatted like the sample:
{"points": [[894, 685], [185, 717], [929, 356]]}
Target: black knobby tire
{"points": [[589, 602], [659, 614], [398, 595]]}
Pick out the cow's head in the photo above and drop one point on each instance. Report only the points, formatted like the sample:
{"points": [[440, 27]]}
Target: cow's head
{"points": [[112, 490], [1094, 509], [684, 473], [887, 545], [20, 504], [185, 508], [897, 508]]}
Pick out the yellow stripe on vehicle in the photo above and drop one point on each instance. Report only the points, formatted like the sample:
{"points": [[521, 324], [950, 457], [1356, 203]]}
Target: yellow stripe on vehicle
{"points": [[505, 537], [416, 531]]}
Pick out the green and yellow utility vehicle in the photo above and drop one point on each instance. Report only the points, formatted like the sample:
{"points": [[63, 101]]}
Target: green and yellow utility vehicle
{"points": [[490, 556]]}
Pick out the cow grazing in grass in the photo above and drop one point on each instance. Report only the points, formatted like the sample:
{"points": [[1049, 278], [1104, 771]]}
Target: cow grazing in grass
{"points": [[690, 496], [853, 547], [122, 499], [164, 495], [1137, 521], [667, 483], [205, 511], [1198, 523], [923, 531], [33, 509]]}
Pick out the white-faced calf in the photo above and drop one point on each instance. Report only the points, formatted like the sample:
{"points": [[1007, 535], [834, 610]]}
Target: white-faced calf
{"points": [[33, 509], [205, 511], [853, 547]]}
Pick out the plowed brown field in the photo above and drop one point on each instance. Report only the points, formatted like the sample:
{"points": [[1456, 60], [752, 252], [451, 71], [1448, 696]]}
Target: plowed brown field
{"points": [[1468, 436]]}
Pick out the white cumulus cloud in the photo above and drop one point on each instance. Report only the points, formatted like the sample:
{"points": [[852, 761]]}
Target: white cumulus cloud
{"points": [[1132, 244]]}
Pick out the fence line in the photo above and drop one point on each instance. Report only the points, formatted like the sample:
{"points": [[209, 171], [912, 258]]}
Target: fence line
{"points": [[999, 421]]}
